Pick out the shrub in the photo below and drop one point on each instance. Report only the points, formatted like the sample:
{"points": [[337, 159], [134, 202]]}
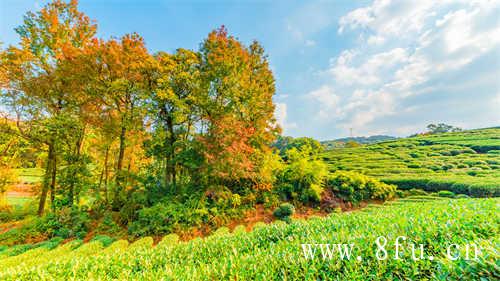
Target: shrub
{"points": [[354, 187], [271, 200], [472, 173], [414, 155], [447, 167], [284, 211], [19, 249], [165, 218], [446, 193], [108, 225], [49, 244], [66, 223], [104, 239], [302, 177]]}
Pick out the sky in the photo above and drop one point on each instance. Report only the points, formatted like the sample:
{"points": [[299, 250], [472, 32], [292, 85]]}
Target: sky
{"points": [[373, 67]]}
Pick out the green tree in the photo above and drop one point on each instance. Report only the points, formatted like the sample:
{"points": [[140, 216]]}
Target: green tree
{"points": [[35, 89], [175, 109], [442, 128]]}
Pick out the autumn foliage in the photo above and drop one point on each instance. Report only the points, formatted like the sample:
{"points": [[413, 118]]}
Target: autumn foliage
{"points": [[108, 112]]}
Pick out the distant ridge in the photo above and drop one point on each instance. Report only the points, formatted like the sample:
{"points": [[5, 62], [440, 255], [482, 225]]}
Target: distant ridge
{"points": [[329, 144]]}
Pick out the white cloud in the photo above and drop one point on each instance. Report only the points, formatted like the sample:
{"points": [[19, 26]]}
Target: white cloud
{"points": [[369, 71], [280, 113], [375, 40], [392, 18], [417, 62], [328, 100]]}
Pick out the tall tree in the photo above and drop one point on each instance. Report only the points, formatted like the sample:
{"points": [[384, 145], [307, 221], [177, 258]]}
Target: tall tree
{"points": [[238, 108], [36, 90], [175, 108], [121, 81]]}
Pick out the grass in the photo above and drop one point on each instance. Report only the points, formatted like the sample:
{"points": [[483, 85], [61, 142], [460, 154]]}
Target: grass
{"points": [[16, 201], [273, 252], [30, 175], [466, 162]]}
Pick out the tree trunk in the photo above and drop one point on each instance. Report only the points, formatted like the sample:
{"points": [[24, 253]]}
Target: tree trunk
{"points": [[53, 181], [101, 177], [171, 152], [121, 153], [106, 175], [46, 180], [119, 167], [78, 148]]}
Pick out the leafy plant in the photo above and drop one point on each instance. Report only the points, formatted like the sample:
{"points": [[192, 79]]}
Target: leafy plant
{"points": [[284, 211]]}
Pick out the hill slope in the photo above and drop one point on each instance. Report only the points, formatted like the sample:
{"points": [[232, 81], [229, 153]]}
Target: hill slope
{"points": [[465, 162]]}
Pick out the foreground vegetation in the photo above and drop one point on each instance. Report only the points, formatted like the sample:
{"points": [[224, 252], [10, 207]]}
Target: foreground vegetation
{"points": [[274, 252], [465, 162]]}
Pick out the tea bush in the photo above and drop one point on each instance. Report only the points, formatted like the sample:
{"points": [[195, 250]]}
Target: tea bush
{"points": [[355, 187], [274, 252], [284, 211]]}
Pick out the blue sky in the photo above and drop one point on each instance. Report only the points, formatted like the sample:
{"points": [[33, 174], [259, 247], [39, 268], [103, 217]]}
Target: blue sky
{"points": [[378, 67]]}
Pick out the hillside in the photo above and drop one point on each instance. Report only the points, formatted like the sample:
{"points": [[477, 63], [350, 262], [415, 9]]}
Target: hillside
{"points": [[465, 162], [274, 252]]}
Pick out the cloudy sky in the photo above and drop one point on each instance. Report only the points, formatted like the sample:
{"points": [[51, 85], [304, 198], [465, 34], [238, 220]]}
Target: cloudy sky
{"points": [[378, 67]]}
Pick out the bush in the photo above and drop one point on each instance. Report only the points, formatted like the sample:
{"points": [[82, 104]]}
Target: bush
{"points": [[269, 199], [284, 211], [165, 218], [354, 187], [50, 244], [108, 225], [472, 190], [169, 216], [68, 222], [446, 193], [104, 239], [302, 178]]}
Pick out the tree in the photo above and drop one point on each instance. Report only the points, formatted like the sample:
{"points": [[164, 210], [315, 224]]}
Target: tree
{"points": [[237, 122], [284, 143], [352, 143], [120, 81], [442, 128], [175, 97], [36, 90]]}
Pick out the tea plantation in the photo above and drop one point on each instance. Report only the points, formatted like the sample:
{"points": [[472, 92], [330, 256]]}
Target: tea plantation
{"points": [[273, 252], [465, 162]]}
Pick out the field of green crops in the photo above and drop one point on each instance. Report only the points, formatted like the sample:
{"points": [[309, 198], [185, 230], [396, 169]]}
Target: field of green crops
{"points": [[274, 252], [465, 162]]}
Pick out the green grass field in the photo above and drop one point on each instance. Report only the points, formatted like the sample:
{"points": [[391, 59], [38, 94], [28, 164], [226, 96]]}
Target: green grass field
{"points": [[274, 252], [18, 201], [29, 175], [466, 162]]}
